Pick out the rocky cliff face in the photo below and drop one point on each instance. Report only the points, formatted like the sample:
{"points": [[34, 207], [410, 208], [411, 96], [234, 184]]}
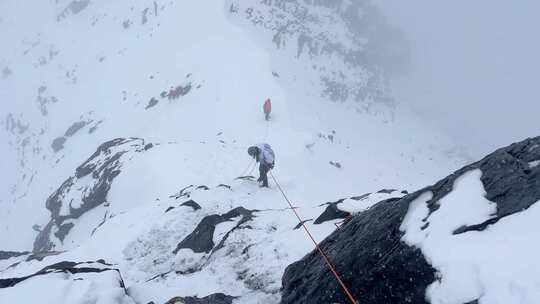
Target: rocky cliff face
{"points": [[346, 47], [426, 246], [84, 191]]}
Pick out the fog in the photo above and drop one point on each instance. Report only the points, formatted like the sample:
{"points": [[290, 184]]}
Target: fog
{"points": [[473, 69]]}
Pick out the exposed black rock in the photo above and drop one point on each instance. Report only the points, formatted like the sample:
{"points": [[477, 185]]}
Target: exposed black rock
{"points": [[370, 256], [387, 191], [301, 223], [225, 186], [65, 267], [331, 213], [335, 164], [75, 127], [144, 19], [152, 103], [203, 188], [192, 204], [508, 181], [4, 255], [102, 168], [201, 239], [40, 256], [217, 298], [58, 143], [95, 126], [73, 8], [361, 197], [184, 192], [169, 209], [371, 259], [248, 177]]}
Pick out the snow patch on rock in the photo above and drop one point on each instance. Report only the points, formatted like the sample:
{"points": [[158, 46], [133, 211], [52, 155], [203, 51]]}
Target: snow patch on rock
{"points": [[473, 265]]}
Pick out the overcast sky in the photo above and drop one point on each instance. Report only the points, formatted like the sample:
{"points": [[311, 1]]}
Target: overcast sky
{"points": [[475, 67]]}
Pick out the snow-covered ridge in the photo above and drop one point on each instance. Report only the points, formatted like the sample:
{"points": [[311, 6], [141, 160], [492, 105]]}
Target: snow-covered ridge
{"points": [[339, 45], [199, 233]]}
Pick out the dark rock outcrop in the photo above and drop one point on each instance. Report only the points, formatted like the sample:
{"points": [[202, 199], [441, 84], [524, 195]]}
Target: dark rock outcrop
{"points": [[299, 225], [331, 213], [93, 180], [217, 298], [4, 255], [152, 103], [65, 267], [387, 191], [58, 143], [192, 204], [370, 256], [361, 197], [73, 8], [201, 239]]}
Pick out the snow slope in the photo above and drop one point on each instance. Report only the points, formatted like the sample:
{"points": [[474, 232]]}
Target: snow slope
{"points": [[189, 79], [89, 75]]}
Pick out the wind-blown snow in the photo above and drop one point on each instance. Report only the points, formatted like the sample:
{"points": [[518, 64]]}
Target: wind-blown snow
{"points": [[498, 265]]}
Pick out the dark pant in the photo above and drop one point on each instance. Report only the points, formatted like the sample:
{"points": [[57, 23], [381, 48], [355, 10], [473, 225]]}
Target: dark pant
{"points": [[263, 171]]}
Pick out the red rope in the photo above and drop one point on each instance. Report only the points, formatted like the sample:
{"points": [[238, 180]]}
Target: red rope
{"points": [[323, 254]]}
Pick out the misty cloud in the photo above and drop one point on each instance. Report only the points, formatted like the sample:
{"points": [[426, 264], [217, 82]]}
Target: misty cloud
{"points": [[474, 67]]}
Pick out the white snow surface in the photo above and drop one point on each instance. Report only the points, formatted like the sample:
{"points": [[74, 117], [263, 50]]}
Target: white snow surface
{"points": [[98, 288], [534, 164], [250, 265], [497, 265], [88, 71]]}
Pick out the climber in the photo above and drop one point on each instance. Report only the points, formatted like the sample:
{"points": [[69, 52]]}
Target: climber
{"points": [[264, 155], [267, 109]]}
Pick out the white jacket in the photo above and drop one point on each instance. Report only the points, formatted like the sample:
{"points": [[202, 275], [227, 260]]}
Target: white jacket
{"points": [[266, 154]]}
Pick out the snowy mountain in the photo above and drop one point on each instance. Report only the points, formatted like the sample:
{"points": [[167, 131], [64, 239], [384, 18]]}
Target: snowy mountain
{"points": [[469, 238], [126, 125]]}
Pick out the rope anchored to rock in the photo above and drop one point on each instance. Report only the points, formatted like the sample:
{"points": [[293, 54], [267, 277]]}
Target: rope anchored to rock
{"points": [[319, 249]]}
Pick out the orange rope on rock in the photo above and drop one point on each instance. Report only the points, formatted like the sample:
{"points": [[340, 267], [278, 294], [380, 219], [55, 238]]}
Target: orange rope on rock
{"points": [[319, 249]]}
